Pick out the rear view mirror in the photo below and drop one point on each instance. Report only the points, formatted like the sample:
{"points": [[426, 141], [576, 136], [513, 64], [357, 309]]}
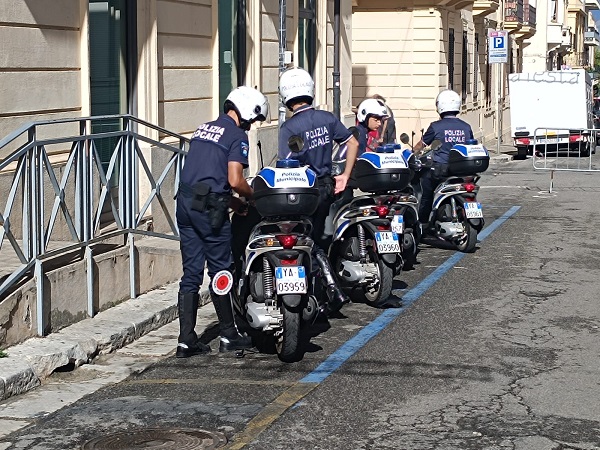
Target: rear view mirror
{"points": [[404, 138], [295, 144]]}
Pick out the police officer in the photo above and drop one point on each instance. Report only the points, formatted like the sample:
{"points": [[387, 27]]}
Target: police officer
{"points": [[449, 130], [369, 115], [213, 167], [318, 129]]}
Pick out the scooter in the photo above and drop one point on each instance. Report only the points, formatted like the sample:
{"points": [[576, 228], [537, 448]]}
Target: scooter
{"points": [[367, 241], [278, 287], [456, 216]]}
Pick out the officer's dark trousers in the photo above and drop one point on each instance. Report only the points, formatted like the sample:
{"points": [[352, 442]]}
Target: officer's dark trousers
{"points": [[428, 184], [199, 245], [326, 198]]}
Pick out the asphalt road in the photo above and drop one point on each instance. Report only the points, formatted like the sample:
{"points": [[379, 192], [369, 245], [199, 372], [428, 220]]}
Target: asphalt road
{"points": [[492, 350]]}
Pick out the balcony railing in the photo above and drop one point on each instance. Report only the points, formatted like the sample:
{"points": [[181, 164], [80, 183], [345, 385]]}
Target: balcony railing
{"points": [[513, 11], [577, 59], [529, 14]]}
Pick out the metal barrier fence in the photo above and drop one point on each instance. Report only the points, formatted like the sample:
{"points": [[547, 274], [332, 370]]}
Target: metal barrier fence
{"points": [[87, 185], [563, 149]]}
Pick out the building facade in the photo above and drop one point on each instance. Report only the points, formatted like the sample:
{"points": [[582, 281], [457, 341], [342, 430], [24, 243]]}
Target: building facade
{"points": [[566, 36], [169, 62], [409, 51]]}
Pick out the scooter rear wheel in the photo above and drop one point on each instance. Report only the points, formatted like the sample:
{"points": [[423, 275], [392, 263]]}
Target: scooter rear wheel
{"points": [[374, 295], [287, 344], [469, 242]]}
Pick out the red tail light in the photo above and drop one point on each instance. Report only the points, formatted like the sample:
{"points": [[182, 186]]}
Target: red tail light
{"points": [[469, 187], [381, 210], [287, 241], [575, 138], [289, 262], [522, 141]]}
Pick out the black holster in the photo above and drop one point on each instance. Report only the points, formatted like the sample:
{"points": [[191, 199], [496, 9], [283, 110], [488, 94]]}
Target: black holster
{"points": [[200, 194], [218, 209], [440, 170]]}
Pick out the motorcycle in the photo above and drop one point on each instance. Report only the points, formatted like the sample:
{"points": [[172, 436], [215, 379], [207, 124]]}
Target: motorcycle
{"points": [[278, 287], [368, 230], [456, 216]]}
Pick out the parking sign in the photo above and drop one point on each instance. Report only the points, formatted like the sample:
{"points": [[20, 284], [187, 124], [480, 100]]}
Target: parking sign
{"points": [[497, 46]]}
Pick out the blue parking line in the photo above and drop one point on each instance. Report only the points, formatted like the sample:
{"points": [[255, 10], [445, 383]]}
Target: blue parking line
{"points": [[350, 347]]}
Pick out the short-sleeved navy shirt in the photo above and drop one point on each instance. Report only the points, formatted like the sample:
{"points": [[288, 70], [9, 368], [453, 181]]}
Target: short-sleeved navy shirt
{"points": [[318, 129], [212, 146], [362, 138], [449, 131]]}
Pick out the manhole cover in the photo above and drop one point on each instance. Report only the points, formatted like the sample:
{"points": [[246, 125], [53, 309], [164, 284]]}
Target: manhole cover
{"points": [[158, 438]]}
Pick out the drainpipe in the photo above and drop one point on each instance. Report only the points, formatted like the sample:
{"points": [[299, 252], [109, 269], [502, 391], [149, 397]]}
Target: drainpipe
{"points": [[282, 46], [336, 59]]}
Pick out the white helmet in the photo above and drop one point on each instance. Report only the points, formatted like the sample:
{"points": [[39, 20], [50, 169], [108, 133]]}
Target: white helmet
{"points": [[294, 83], [448, 101], [251, 104], [371, 107]]}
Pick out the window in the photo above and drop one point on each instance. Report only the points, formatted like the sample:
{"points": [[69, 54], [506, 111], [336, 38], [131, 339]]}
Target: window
{"points": [[451, 58], [476, 68], [464, 66], [307, 35], [232, 46]]}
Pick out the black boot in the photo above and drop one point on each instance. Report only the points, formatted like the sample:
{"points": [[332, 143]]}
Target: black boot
{"points": [[336, 297], [188, 343], [231, 339]]}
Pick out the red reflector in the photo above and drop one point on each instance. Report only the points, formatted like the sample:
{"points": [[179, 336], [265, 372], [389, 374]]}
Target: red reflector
{"points": [[469, 187], [289, 262], [383, 227], [523, 141], [575, 138], [381, 210], [287, 241]]}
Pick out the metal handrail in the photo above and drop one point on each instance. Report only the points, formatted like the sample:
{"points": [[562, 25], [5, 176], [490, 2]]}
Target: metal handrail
{"points": [[35, 179]]}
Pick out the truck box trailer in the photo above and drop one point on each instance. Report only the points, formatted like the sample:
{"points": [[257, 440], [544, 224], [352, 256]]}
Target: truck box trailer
{"points": [[552, 111]]}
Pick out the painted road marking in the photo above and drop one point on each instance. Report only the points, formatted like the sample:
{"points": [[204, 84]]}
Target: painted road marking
{"points": [[297, 392]]}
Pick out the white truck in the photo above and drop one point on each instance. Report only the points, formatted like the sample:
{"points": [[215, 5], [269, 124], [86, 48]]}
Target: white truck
{"points": [[552, 111]]}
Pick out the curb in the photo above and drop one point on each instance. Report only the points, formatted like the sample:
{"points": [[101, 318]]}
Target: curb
{"points": [[501, 158], [29, 363]]}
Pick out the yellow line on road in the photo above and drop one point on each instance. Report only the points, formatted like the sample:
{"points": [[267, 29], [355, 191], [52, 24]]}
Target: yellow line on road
{"points": [[206, 381], [270, 414]]}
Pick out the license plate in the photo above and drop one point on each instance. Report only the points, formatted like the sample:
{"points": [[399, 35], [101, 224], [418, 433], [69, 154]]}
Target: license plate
{"points": [[290, 280], [387, 242], [547, 141], [398, 224], [473, 210]]}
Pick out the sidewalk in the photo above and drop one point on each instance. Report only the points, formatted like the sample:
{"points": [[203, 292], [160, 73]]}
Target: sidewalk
{"points": [[28, 364], [507, 150]]}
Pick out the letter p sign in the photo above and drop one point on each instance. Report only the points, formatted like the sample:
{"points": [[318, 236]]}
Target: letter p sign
{"points": [[499, 42]]}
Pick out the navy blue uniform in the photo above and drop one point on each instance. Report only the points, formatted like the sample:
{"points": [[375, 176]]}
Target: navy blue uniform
{"points": [[318, 129], [213, 145], [449, 131], [362, 138]]}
